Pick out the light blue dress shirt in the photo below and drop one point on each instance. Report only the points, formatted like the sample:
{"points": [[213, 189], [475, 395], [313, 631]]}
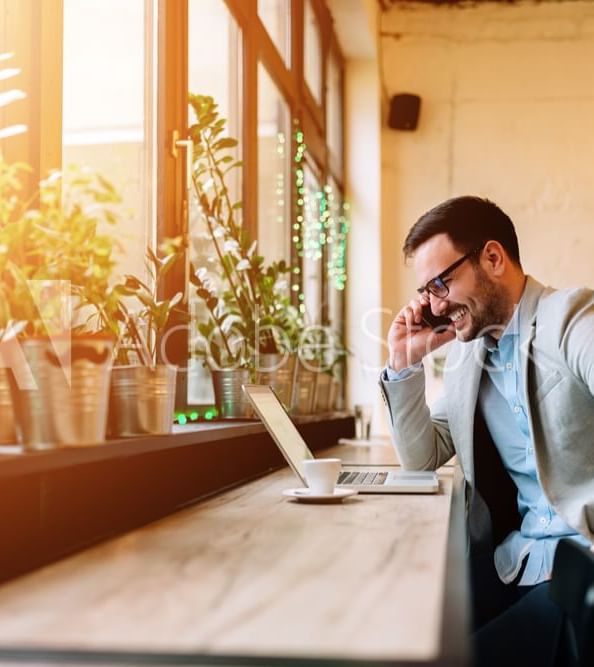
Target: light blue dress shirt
{"points": [[502, 400]]}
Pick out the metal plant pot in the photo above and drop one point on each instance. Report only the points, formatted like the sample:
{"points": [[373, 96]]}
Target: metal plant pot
{"points": [[230, 400], [142, 400], [156, 398], [124, 419], [304, 390], [334, 395], [323, 400], [60, 396], [7, 430], [278, 371]]}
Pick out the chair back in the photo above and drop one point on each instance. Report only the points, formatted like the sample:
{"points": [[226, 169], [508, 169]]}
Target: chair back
{"points": [[572, 588]]}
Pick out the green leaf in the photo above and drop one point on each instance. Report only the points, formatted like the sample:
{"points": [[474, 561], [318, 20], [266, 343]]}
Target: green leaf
{"points": [[226, 142]]}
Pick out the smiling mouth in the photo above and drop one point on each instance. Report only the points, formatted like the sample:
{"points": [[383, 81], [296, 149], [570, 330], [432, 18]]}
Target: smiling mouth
{"points": [[458, 314]]}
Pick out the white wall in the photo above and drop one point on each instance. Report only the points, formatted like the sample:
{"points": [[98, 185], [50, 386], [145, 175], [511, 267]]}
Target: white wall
{"points": [[364, 333], [508, 113]]}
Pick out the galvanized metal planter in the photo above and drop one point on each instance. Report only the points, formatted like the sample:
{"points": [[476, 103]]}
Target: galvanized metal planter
{"points": [[230, 400], [278, 371], [7, 430], [323, 400], [142, 400], [304, 389], [123, 402], [156, 403], [60, 391]]}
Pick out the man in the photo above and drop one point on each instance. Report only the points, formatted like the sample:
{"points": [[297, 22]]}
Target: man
{"points": [[517, 410]]}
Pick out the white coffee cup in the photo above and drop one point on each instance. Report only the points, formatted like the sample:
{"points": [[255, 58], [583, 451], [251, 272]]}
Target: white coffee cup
{"points": [[321, 475]]}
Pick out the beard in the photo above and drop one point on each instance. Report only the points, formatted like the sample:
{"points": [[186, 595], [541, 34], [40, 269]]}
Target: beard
{"points": [[489, 310]]}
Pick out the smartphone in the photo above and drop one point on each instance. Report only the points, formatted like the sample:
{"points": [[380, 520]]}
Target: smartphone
{"points": [[434, 321]]}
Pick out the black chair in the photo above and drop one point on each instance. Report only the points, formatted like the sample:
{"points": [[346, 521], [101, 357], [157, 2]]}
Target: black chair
{"points": [[572, 588]]}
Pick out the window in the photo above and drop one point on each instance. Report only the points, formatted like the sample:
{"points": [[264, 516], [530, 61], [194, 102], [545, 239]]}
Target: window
{"points": [[108, 109], [312, 52], [214, 69], [312, 242], [117, 98], [276, 17], [336, 233], [334, 127], [274, 170], [215, 59]]}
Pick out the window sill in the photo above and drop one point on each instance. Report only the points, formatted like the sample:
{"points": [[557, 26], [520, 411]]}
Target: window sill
{"points": [[59, 501]]}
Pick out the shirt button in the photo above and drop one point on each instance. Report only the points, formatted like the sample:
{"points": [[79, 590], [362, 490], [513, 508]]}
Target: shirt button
{"points": [[508, 366], [543, 520], [516, 409], [530, 450]]}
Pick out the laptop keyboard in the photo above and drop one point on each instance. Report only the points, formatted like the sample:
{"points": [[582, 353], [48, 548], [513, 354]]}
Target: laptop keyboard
{"points": [[362, 478]]}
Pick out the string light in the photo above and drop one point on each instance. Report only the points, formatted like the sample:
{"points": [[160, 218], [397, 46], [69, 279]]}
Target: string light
{"points": [[194, 416], [320, 220]]}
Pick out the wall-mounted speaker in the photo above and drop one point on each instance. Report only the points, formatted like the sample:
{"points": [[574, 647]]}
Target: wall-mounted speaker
{"points": [[404, 111]]}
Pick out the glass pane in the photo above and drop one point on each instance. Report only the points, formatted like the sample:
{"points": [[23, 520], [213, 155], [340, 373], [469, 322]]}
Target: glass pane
{"points": [[276, 17], [336, 238], [274, 163], [214, 69], [312, 246], [107, 109], [312, 53], [334, 113]]}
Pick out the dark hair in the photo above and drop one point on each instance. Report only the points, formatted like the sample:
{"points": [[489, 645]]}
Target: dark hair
{"points": [[469, 222]]}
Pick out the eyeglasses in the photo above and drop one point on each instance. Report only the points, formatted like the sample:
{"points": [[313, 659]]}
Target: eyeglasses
{"points": [[437, 286]]}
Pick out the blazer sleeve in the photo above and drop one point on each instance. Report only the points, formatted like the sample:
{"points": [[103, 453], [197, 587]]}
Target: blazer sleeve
{"points": [[421, 436], [572, 313], [576, 341]]}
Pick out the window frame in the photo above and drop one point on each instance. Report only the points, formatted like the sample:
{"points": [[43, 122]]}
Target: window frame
{"points": [[34, 32], [38, 35]]}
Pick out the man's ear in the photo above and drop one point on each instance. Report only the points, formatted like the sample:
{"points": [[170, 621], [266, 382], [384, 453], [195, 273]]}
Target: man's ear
{"points": [[495, 258]]}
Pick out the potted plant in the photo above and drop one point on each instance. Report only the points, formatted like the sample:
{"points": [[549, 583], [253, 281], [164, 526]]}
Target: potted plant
{"points": [[52, 257], [10, 194], [243, 320], [330, 371], [143, 391]]}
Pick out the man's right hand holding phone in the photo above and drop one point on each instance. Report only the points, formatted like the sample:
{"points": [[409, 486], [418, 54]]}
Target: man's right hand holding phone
{"points": [[411, 337]]}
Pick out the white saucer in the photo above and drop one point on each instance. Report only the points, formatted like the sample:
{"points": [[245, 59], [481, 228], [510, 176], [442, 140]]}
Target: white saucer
{"points": [[304, 495]]}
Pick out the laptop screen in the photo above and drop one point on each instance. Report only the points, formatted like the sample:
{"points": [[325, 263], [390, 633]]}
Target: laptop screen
{"points": [[279, 425]]}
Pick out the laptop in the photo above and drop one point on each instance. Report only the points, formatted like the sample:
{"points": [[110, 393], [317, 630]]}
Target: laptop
{"points": [[363, 478]]}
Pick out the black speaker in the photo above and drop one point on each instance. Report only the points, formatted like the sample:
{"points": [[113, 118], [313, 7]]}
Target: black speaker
{"points": [[404, 111]]}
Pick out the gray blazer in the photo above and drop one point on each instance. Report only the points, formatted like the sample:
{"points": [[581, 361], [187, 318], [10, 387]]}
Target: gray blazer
{"points": [[557, 355]]}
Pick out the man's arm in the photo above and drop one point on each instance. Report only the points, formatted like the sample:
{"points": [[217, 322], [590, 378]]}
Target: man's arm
{"points": [[576, 336], [421, 436]]}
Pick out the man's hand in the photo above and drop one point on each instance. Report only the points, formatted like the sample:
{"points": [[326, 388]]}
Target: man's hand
{"points": [[409, 341]]}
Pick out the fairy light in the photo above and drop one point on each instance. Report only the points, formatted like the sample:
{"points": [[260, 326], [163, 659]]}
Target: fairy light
{"points": [[320, 221], [297, 238], [280, 179], [337, 227]]}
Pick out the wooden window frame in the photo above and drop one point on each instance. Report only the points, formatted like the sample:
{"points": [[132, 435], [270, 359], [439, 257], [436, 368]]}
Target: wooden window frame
{"points": [[35, 32]]}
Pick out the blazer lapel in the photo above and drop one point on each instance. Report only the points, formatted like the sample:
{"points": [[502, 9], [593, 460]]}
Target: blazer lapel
{"points": [[532, 294]]}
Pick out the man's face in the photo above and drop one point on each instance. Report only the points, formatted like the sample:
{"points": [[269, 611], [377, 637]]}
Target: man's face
{"points": [[476, 303]]}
